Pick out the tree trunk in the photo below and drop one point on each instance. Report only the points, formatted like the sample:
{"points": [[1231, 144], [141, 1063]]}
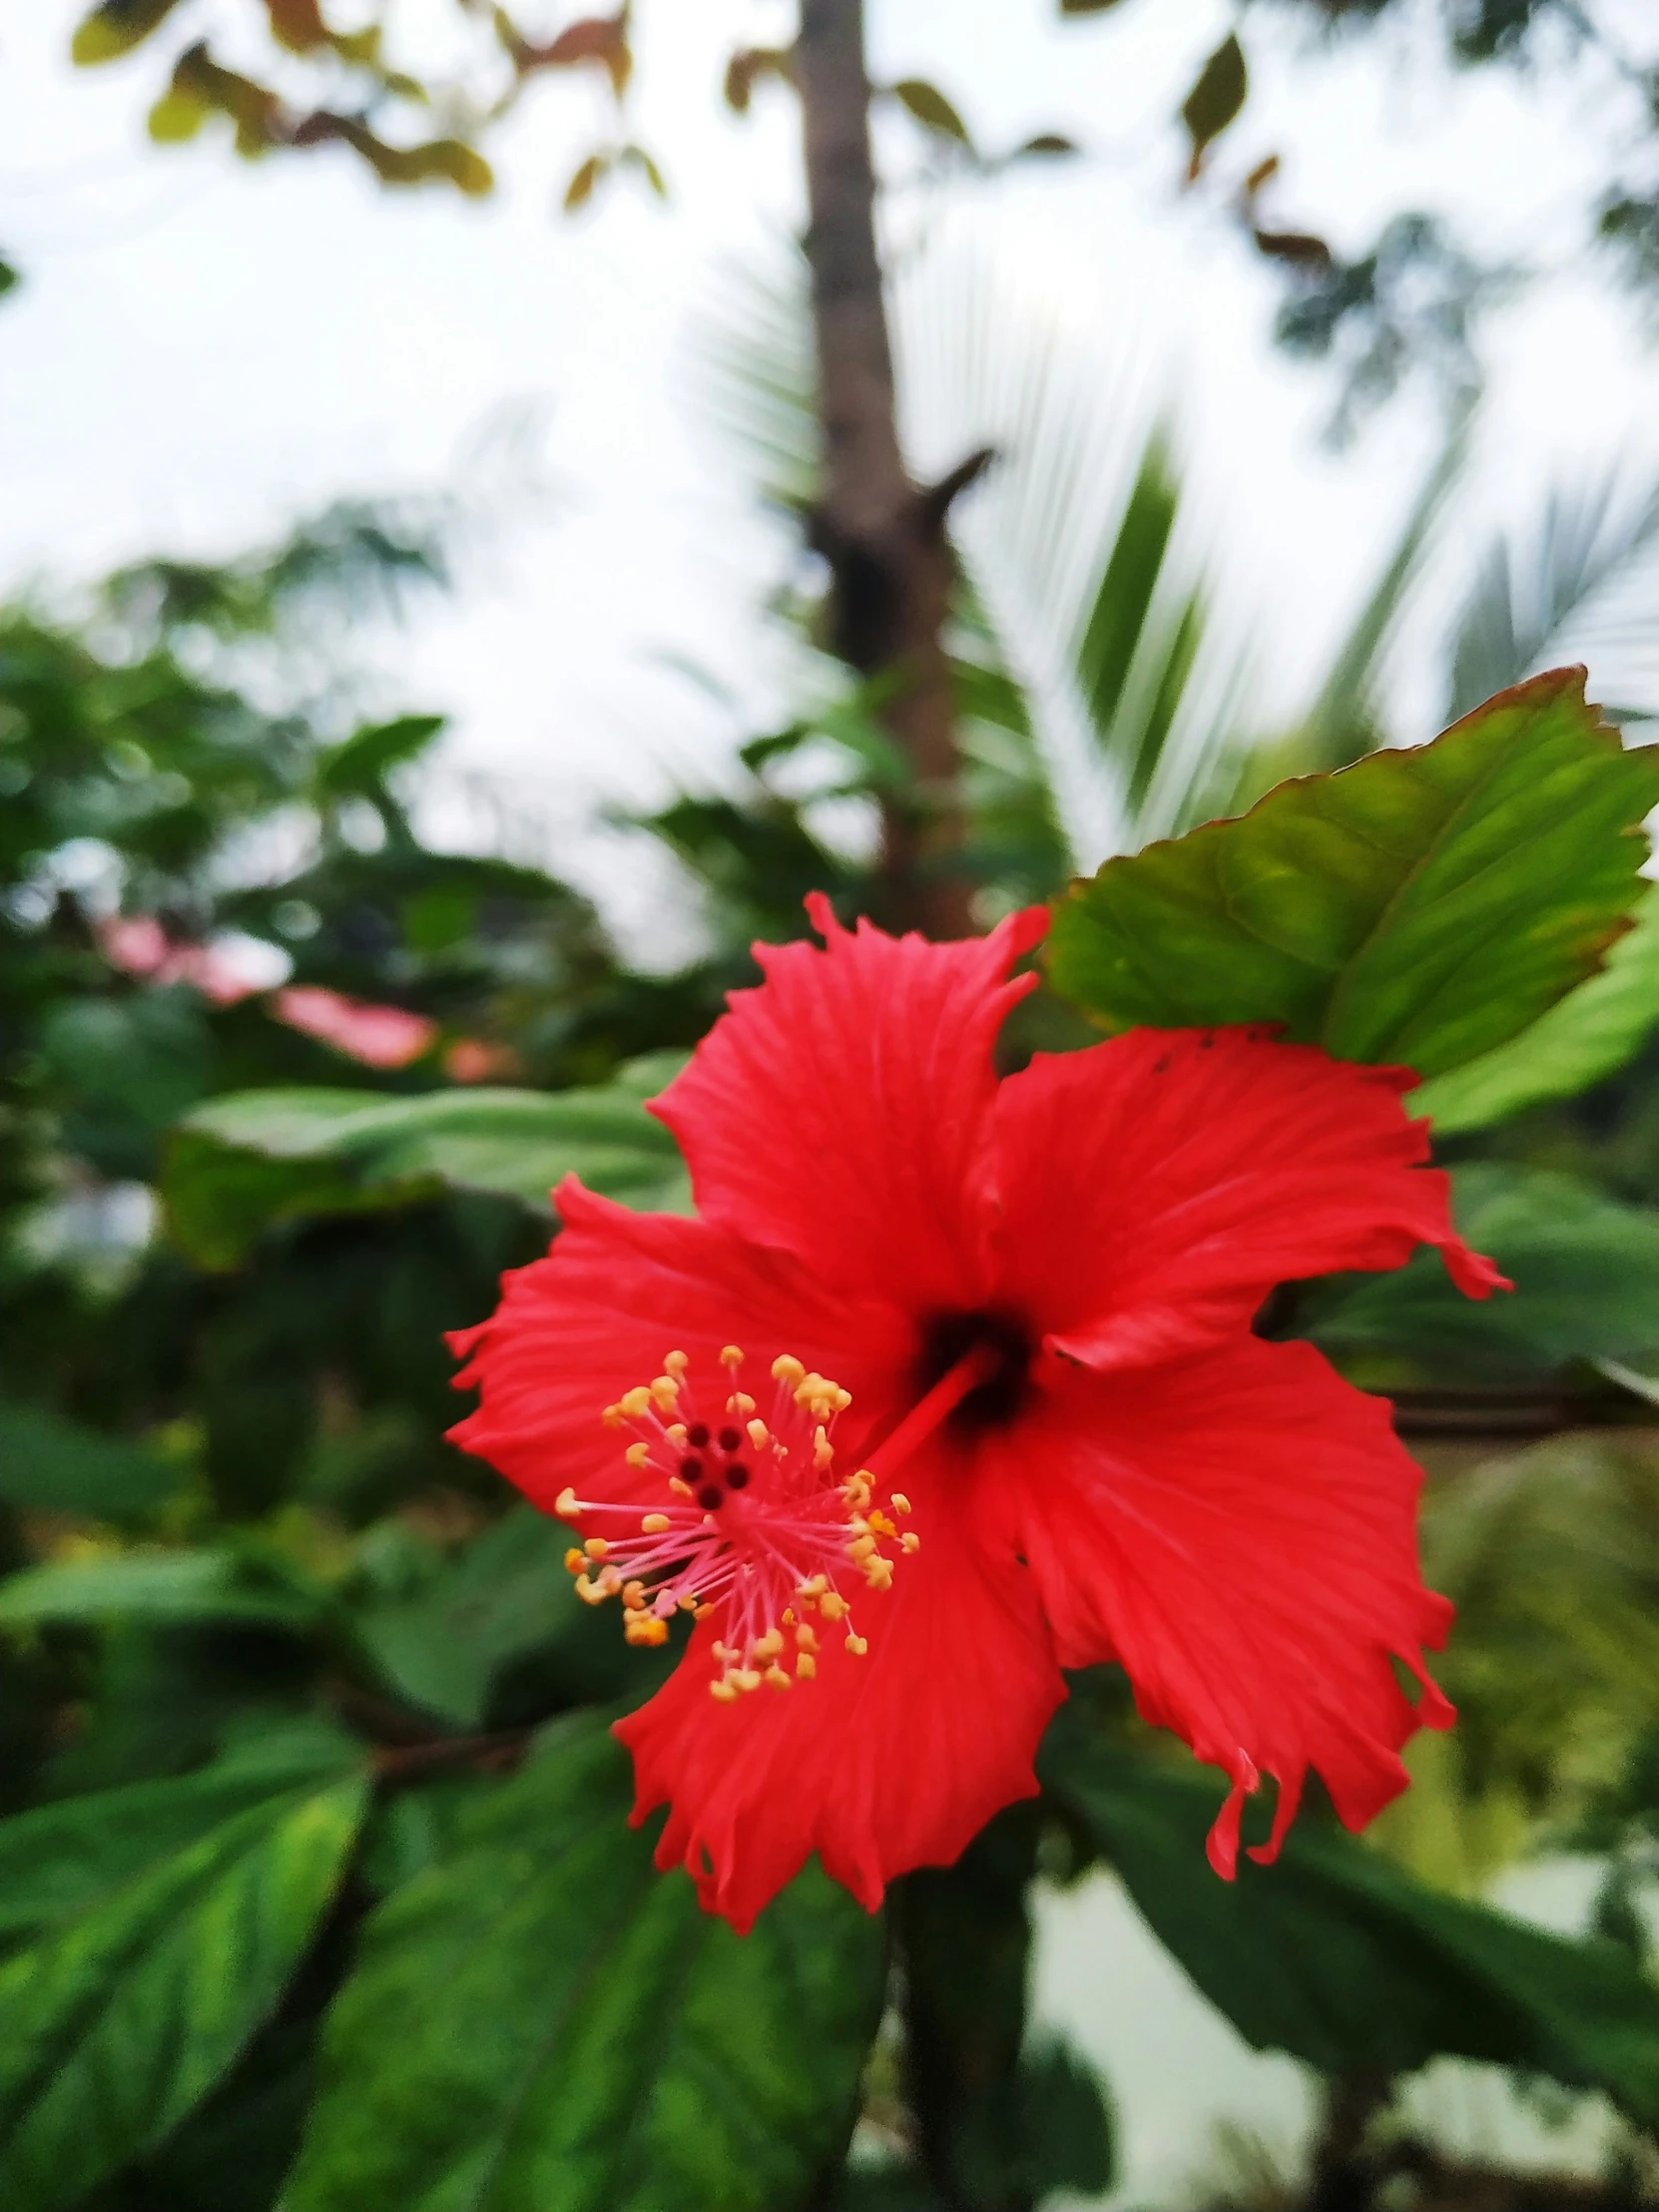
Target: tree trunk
{"points": [[884, 537]]}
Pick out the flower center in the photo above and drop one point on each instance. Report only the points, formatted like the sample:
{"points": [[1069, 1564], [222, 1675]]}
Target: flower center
{"points": [[1000, 1345], [754, 1525]]}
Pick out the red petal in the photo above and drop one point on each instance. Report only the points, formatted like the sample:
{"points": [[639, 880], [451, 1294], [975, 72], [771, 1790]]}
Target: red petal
{"points": [[1239, 1530], [617, 1293], [839, 1110], [1156, 1188], [882, 1762]]}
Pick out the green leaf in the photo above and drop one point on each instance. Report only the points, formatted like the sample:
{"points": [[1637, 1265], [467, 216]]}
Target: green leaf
{"points": [[10, 276], [242, 1163], [1589, 1034], [363, 763], [67, 1859], [543, 2019], [507, 1594], [1422, 906], [1216, 97], [931, 109], [1341, 1960], [1585, 1270], [55, 1465], [115, 29], [164, 1587], [117, 2022]]}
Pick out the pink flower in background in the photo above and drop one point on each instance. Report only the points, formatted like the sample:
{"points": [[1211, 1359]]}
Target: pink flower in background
{"points": [[471, 1060], [137, 944], [378, 1036]]}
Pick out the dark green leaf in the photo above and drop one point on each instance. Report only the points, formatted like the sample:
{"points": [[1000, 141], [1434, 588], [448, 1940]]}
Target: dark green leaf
{"points": [[10, 277], [245, 1163], [163, 1587], [56, 1465], [362, 763], [507, 1593], [1086, 7], [1421, 907], [1341, 1960], [114, 2026], [115, 29], [931, 109], [1127, 585], [1587, 1035], [1584, 1266], [546, 2020], [1215, 98], [70, 1858]]}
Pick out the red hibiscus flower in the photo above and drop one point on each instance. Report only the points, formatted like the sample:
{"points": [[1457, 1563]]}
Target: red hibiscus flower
{"points": [[951, 1385]]}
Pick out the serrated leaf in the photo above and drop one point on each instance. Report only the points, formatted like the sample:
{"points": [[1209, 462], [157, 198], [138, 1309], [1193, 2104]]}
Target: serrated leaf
{"points": [[51, 1464], [1336, 1956], [931, 109], [543, 2019], [1584, 1037], [1585, 1270], [115, 29], [1421, 907], [1216, 98], [117, 2023], [246, 1163]]}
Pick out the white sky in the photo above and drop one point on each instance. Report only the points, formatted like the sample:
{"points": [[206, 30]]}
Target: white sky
{"points": [[205, 348]]}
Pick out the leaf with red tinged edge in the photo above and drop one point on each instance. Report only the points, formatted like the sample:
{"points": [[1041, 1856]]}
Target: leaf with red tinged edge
{"points": [[1215, 100], [1418, 908]]}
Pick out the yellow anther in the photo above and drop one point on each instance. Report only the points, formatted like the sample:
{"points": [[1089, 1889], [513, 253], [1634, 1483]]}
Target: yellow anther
{"points": [[654, 1524], [687, 1601], [832, 1605], [813, 1588], [666, 1391], [637, 1402], [823, 1451], [676, 1434], [565, 1505], [721, 1652], [844, 1398], [787, 1369], [702, 1612], [633, 1596], [910, 1540], [589, 1591], [857, 1645], [878, 1573], [805, 1666], [596, 1547], [760, 1435], [882, 1526], [859, 1549], [778, 1678], [611, 1416], [900, 1503], [683, 1488], [806, 1637], [789, 1616], [637, 1455], [746, 1678], [645, 1628], [741, 1404], [857, 1492], [731, 1357], [676, 1362], [726, 1692], [808, 1389], [576, 1560], [769, 1645]]}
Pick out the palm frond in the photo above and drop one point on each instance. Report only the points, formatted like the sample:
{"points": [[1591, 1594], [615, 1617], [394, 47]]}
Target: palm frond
{"points": [[1580, 584]]}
